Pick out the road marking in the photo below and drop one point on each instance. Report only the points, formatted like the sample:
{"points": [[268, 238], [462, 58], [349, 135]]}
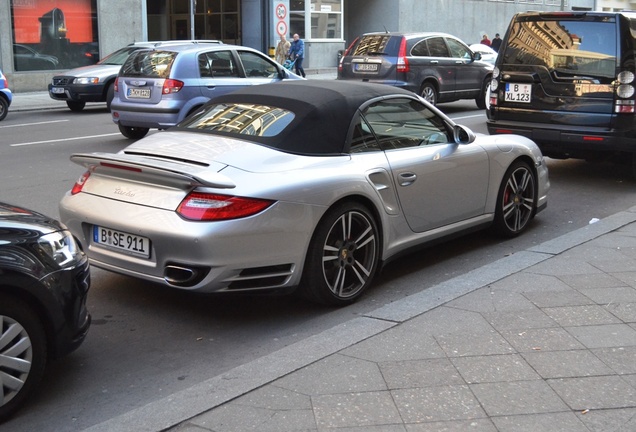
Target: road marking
{"points": [[63, 139], [31, 124], [468, 116]]}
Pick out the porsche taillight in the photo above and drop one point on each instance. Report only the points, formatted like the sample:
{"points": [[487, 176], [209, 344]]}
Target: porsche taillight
{"points": [[79, 184], [201, 206], [402, 61]]}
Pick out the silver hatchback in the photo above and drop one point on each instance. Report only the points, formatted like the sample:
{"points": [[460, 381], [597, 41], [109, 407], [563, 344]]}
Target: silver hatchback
{"points": [[157, 88]]}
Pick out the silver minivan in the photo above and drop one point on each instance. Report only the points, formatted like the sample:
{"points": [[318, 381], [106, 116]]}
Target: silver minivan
{"points": [[157, 88]]}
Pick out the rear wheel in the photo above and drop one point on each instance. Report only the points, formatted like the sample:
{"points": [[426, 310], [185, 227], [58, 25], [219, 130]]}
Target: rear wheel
{"points": [[4, 108], [110, 94], [75, 105], [133, 132], [429, 93], [342, 257], [516, 201], [483, 100], [24, 353]]}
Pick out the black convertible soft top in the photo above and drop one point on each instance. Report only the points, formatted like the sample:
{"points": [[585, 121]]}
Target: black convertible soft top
{"points": [[323, 111]]}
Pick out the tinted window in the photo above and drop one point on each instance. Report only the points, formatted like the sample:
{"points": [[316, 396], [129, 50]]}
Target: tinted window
{"points": [[240, 119], [567, 48], [149, 64], [437, 47], [403, 123], [420, 49], [362, 139]]}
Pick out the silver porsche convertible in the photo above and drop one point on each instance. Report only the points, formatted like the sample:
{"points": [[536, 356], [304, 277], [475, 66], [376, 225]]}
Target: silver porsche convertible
{"points": [[311, 185]]}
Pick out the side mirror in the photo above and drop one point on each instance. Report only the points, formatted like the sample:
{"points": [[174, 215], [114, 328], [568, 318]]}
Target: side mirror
{"points": [[477, 56], [463, 135]]}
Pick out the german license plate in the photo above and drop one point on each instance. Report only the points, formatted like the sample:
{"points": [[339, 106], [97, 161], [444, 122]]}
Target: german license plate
{"points": [[518, 92], [57, 90], [138, 93], [132, 244], [366, 67]]}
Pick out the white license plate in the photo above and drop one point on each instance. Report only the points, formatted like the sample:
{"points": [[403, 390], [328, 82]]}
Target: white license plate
{"points": [[139, 93], [57, 90], [133, 244], [518, 92], [366, 67]]}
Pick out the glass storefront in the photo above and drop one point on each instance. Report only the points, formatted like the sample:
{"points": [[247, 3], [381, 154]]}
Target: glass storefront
{"points": [[54, 34], [325, 19]]}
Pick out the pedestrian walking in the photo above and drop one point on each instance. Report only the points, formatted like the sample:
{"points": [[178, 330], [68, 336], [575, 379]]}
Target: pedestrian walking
{"points": [[297, 54], [282, 49], [485, 40]]}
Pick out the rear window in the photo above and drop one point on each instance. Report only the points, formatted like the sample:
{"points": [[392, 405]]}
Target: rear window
{"points": [[240, 119], [372, 44], [149, 64], [567, 48]]}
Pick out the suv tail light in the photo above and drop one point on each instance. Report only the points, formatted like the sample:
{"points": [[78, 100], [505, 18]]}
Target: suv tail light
{"points": [[171, 86], [346, 53], [402, 62], [201, 206]]}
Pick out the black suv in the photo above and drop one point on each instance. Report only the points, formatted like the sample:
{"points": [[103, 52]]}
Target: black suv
{"points": [[44, 281], [437, 66], [566, 80]]}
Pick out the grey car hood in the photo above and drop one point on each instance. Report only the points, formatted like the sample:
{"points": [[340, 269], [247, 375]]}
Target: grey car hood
{"points": [[99, 71]]}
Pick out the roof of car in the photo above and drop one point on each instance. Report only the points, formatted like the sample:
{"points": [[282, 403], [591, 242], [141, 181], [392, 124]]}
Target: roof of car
{"points": [[323, 111], [409, 35]]}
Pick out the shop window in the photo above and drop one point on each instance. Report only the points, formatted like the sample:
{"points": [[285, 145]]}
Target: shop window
{"points": [[325, 17], [54, 34]]}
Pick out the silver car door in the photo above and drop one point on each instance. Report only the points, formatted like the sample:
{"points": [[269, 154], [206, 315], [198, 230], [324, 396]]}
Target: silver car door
{"points": [[438, 181]]}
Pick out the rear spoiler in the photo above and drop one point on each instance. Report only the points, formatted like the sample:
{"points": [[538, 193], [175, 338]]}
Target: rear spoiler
{"points": [[155, 168]]}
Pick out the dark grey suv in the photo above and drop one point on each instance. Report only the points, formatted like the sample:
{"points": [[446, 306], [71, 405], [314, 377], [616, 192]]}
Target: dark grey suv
{"points": [[437, 66]]}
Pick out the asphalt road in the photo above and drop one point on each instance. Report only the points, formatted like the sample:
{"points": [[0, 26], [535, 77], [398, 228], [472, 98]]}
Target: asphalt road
{"points": [[148, 342]]}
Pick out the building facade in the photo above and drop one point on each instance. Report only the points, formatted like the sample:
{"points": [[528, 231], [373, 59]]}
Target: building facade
{"points": [[41, 38]]}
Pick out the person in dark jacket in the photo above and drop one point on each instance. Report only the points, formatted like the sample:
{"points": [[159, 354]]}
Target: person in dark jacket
{"points": [[297, 53], [496, 42]]}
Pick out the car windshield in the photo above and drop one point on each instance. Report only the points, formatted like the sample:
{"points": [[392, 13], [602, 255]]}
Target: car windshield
{"points": [[240, 119]]}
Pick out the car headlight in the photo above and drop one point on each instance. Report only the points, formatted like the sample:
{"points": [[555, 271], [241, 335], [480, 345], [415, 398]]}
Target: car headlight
{"points": [[61, 247], [86, 80]]}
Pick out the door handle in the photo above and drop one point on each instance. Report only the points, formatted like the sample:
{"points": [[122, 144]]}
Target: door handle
{"points": [[434, 61], [407, 178]]}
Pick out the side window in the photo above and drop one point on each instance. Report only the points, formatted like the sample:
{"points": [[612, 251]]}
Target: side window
{"points": [[403, 123], [458, 50], [256, 66], [437, 47], [362, 139], [420, 49], [220, 64]]}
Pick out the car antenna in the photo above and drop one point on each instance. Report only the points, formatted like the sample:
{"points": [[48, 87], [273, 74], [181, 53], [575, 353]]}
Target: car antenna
{"points": [[385, 30]]}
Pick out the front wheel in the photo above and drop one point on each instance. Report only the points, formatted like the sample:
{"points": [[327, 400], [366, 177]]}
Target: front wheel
{"points": [[343, 256], [429, 93], [133, 132], [23, 354], [516, 200], [75, 105]]}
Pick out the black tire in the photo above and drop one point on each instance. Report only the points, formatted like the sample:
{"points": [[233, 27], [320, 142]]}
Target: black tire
{"points": [[133, 132], [4, 108], [343, 256], [75, 105], [23, 340], [516, 201], [482, 100], [110, 94], [429, 93]]}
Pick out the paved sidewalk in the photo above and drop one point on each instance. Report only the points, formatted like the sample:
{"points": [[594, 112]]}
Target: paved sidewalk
{"points": [[542, 340]]}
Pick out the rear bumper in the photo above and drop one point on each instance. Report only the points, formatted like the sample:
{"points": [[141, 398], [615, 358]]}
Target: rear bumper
{"points": [[560, 141]]}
